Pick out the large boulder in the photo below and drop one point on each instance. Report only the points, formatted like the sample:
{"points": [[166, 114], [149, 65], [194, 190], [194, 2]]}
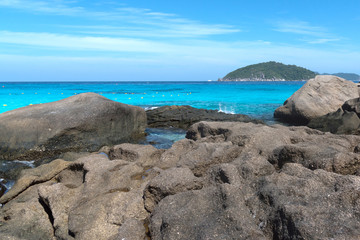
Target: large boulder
{"points": [[185, 116], [319, 96], [83, 122]]}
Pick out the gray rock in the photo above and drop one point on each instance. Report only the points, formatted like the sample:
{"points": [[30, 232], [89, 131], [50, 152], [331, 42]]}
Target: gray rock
{"points": [[340, 122], [169, 182], [132, 229], [352, 105], [29, 177], [211, 213], [10, 170], [84, 122], [319, 96], [25, 218], [2, 188], [343, 121], [146, 155], [185, 116], [305, 204]]}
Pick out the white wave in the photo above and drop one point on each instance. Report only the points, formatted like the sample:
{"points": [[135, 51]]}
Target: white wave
{"points": [[227, 110], [27, 163], [150, 108]]}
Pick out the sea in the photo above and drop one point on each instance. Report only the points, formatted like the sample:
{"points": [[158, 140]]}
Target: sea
{"points": [[256, 99]]}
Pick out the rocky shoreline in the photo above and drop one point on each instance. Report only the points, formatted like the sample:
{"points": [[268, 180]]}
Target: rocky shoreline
{"points": [[225, 180]]}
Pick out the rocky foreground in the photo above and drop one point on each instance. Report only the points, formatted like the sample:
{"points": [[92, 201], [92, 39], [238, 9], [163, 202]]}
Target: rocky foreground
{"points": [[225, 181]]}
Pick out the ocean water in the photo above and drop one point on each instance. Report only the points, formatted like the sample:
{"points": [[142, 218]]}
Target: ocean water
{"points": [[257, 99]]}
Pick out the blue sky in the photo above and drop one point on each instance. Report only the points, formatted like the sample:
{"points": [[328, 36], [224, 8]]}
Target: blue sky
{"points": [[158, 40]]}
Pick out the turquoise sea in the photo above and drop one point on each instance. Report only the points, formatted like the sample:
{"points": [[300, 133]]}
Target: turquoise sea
{"points": [[258, 99]]}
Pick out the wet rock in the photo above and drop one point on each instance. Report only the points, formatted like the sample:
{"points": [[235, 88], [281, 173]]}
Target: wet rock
{"points": [[29, 177], [2, 188], [10, 170], [319, 96], [84, 122], [185, 116]]}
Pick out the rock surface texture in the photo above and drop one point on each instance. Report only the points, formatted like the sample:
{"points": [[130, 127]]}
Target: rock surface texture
{"points": [[343, 121], [83, 122], [226, 181], [319, 96], [185, 116]]}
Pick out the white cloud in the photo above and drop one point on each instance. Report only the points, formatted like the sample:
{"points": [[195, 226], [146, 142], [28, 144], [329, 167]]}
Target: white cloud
{"points": [[145, 20], [192, 52], [50, 7], [303, 28], [323, 40], [69, 42], [318, 34]]}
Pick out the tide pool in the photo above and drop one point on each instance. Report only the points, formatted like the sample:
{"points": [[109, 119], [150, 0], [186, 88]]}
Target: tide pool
{"points": [[257, 99]]}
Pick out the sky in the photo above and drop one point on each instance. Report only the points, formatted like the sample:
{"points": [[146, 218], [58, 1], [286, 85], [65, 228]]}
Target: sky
{"points": [[162, 40]]}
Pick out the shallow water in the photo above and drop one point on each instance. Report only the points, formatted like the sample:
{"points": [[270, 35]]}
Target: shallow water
{"points": [[163, 138]]}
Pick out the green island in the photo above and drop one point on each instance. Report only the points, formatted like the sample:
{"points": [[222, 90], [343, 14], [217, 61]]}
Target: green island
{"points": [[347, 76], [269, 71]]}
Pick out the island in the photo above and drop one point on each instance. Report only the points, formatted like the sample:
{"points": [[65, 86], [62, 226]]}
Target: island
{"points": [[347, 76], [269, 71]]}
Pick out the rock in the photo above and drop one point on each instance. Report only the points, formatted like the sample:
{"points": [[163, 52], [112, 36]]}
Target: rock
{"points": [[146, 155], [229, 180], [10, 170], [343, 121], [340, 122], [131, 230], [2, 188], [29, 177], [89, 198], [210, 213], [319, 96], [352, 105], [185, 116], [305, 204], [169, 182], [72, 156], [25, 217], [83, 122]]}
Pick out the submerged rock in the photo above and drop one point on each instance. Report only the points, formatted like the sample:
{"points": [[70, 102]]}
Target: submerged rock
{"points": [[319, 96], [185, 116], [84, 122], [226, 181]]}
